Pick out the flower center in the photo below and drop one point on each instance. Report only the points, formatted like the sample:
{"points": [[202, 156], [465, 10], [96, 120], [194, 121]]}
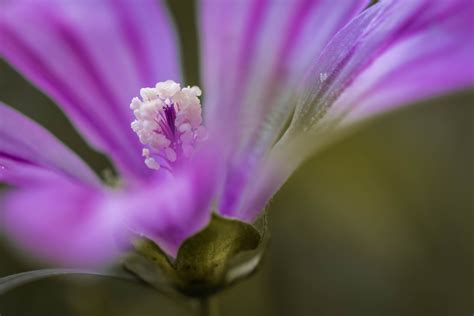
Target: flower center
{"points": [[168, 123]]}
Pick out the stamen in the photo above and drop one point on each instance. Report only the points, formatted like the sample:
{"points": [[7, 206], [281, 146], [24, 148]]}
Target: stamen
{"points": [[168, 122]]}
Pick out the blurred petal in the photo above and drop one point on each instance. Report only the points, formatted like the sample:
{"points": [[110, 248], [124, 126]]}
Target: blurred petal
{"points": [[93, 57], [76, 225], [254, 53], [28, 152], [64, 222], [395, 53], [176, 207]]}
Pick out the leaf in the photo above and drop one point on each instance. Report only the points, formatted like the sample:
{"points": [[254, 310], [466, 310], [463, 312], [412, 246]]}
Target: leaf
{"points": [[15, 280]]}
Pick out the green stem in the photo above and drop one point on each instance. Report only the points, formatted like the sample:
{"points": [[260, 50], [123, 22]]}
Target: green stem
{"points": [[208, 306]]}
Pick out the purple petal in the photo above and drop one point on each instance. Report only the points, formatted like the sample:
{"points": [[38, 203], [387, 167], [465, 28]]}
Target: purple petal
{"points": [[28, 152], [395, 53], [254, 53], [176, 207], [92, 57], [64, 222], [427, 63], [77, 225], [61, 213]]}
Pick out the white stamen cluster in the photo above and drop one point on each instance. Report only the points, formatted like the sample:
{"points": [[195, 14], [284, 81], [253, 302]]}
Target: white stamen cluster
{"points": [[168, 122]]}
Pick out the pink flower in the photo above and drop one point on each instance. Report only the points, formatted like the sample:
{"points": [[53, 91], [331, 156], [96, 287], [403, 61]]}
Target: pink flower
{"points": [[323, 63]]}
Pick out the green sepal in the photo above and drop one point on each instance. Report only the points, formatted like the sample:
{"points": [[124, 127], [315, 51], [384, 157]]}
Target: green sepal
{"points": [[206, 263], [203, 259], [151, 265]]}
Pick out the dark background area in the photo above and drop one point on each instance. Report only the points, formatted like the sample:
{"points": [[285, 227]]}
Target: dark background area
{"points": [[378, 223]]}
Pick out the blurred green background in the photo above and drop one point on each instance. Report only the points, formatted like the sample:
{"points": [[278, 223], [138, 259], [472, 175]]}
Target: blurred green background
{"points": [[379, 223]]}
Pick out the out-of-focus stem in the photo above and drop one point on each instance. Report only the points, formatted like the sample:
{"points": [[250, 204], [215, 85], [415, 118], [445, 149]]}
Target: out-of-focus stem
{"points": [[208, 306]]}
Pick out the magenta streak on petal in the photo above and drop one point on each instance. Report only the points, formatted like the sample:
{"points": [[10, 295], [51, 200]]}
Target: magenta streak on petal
{"points": [[5, 155], [388, 42], [35, 149], [35, 62], [137, 47], [324, 88], [374, 37], [294, 31], [338, 79], [237, 180], [422, 24], [281, 76], [21, 173], [31, 171], [286, 48], [77, 229], [67, 96], [83, 57], [418, 62], [250, 40], [103, 62], [296, 25]]}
